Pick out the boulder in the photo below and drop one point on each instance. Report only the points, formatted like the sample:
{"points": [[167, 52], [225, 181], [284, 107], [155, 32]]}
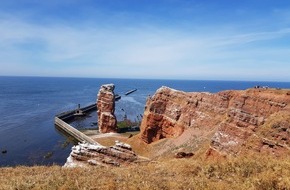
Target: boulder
{"points": [[84, 154], [183, 155]]}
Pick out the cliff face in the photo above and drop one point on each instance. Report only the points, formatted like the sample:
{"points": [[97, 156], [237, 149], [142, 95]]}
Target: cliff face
{"points": [[238, 120], [106, 107]]}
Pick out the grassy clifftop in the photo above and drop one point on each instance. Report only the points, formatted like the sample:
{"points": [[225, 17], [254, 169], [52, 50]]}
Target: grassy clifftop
{"points": [[194, 173]]}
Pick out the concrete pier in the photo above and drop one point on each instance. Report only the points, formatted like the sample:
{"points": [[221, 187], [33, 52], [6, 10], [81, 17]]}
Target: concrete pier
{"points": [[73, 132], [70, 114], [60, 119]]}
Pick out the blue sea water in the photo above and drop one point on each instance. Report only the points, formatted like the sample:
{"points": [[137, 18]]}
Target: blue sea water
{"points": [[28, 106]]}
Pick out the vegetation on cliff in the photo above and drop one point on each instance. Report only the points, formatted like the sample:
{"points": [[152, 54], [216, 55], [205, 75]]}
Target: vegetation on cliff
{"points": [[253, 172]]}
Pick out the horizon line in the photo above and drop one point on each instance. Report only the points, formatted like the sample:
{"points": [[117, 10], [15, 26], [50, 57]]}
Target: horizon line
{"points": [[173, 79]]}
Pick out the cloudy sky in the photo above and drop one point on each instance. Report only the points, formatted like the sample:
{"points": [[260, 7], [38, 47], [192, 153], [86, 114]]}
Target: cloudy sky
{"points": [[163, 39]]}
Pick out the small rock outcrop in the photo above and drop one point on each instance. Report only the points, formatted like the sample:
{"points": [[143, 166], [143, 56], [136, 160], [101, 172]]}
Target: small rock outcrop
{"points": [[234, 121], [183, 155], [107, 121], [85, 154]]}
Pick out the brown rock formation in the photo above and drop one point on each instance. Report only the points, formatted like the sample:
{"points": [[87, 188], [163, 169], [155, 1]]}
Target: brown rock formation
{"points": [[106, 107], [183, 155], [85, 154], [237, 119]]}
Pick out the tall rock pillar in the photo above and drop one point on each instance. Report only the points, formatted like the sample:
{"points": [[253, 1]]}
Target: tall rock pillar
{"points": [[107, 121]]}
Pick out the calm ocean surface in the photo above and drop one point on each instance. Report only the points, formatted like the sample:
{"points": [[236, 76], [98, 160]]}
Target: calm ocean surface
{"points": [[28, 106]]}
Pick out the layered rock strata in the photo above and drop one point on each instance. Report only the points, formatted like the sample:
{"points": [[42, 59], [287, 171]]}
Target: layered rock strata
{"points": [[106, 107], [85, 154], [238, 119]]}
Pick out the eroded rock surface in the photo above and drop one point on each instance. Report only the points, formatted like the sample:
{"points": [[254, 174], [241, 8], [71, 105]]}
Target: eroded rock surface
{"points": [[85, 154], [106, 107], [238, 119]]}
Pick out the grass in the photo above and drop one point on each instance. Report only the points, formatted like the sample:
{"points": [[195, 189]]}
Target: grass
{"points": [[127, 124], [194, 173]]}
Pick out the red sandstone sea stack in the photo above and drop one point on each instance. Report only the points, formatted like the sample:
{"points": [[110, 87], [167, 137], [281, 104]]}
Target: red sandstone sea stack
{"points": [[106, 107]]}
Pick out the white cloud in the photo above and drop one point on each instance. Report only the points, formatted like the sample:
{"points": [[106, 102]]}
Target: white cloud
{"points": [[140, 52]]}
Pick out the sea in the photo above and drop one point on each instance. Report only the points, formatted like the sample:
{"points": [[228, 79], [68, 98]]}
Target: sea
{"points": [[28, 106]]}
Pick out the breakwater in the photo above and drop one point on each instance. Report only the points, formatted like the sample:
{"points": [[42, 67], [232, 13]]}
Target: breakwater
{"points": [[60, 122], [130, 92], [73, 113]]}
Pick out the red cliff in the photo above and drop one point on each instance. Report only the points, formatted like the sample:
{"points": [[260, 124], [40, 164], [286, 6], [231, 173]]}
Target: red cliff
{"points": [[232, 121]]}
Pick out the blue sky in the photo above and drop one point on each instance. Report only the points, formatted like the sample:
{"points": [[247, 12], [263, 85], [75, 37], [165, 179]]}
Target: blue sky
{"points": [[164, 39]]}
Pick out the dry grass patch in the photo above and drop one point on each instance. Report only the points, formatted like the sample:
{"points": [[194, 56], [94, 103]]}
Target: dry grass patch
{"points": [[234, 173]]}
